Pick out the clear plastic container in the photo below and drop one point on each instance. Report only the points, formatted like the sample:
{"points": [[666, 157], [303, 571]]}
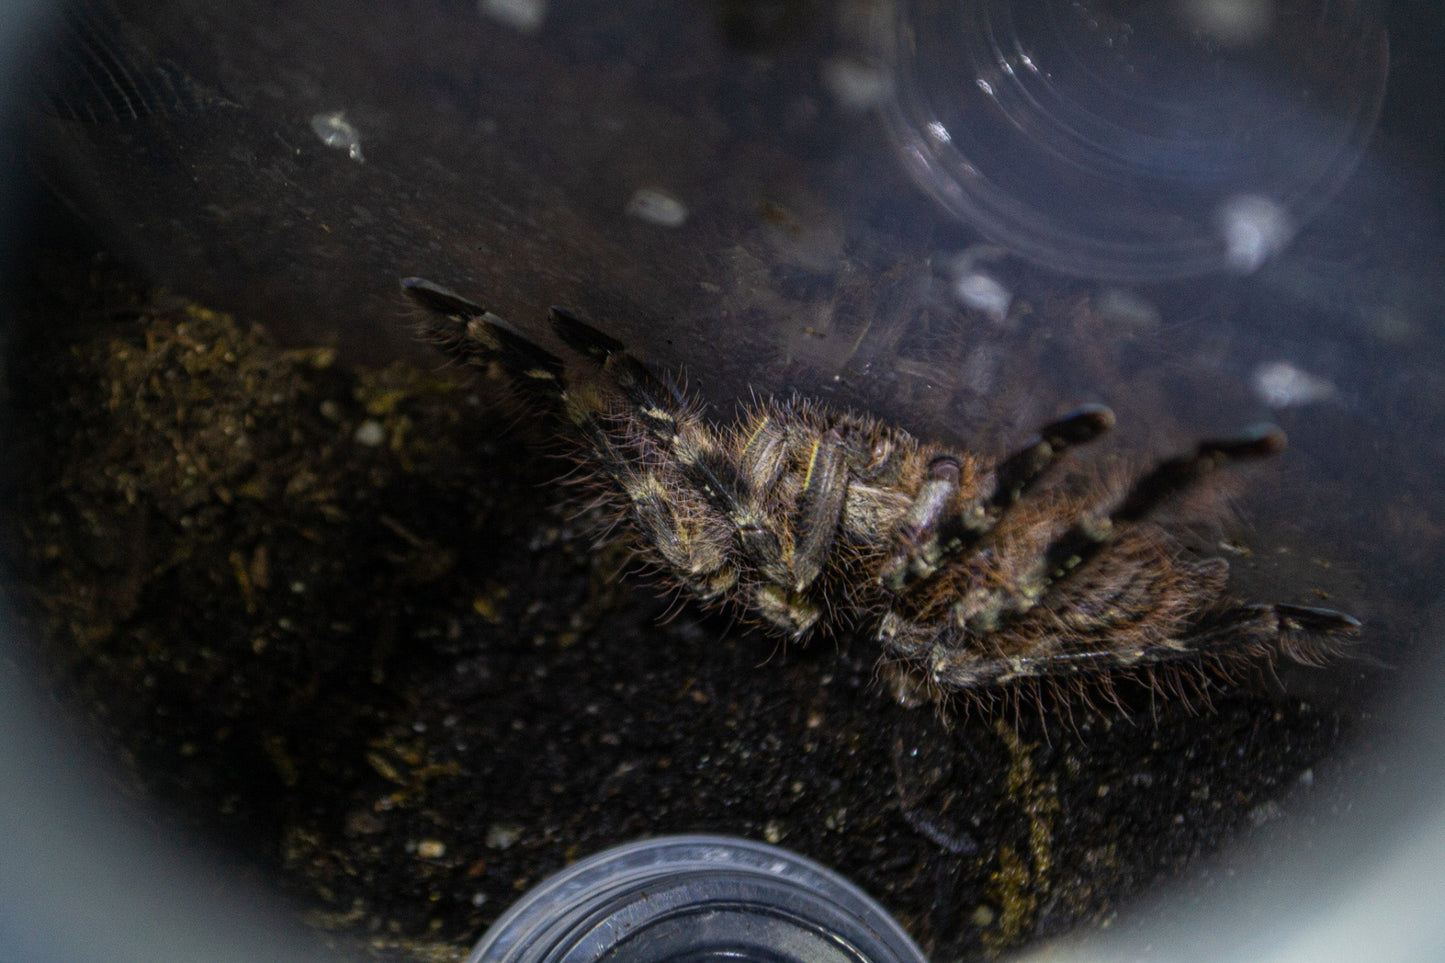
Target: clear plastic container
{"points": [[696, 898], [1136, 141]]}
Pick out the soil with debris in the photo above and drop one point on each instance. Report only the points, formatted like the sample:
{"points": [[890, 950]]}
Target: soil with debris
{"points": [[342, 619]]}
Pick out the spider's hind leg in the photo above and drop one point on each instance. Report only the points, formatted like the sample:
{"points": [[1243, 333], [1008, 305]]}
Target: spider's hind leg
{"points": [[1304, 633], [1171, 477], [1226, 639], [932, 531]]}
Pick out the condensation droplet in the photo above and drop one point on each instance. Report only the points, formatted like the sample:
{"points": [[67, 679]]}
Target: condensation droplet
{"points": [[855, 84], [1128, 309], [1282, 385], [1233, 23], [525, 16], [977, 287], [656, 207], [338, 133], [984, 292], [1254, 229]]}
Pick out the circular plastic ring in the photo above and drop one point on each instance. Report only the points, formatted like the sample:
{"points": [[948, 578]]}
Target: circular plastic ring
{"points": [[696, 898]]}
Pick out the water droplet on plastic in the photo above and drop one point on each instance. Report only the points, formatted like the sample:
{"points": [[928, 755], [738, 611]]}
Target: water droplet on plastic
{"points": [[854, 84], [984, 293], [656, 207], [338, 133], [524, 16], [1234, 23], [1282, 385], [1255, 229], [978, 287], [1127, 309]]}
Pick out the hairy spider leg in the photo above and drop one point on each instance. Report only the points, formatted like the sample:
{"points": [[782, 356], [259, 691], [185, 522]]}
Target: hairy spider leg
{"points": [[929, 533], [1019, 472], [1232, 633], [738, 487], [1304, 633], [987, 610], [1169, 478], [1239, 634], [479, 338], [669, 418]]}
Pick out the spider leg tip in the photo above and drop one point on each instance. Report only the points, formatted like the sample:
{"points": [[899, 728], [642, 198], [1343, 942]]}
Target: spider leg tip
{"points": [[436, 297], [1309, 618], [1257, 441]]}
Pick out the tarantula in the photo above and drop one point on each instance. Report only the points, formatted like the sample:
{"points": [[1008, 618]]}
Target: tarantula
{"points": [[972, 573]]}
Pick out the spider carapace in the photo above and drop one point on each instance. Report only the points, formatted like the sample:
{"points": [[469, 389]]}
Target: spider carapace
{"points": [[972, 573]]}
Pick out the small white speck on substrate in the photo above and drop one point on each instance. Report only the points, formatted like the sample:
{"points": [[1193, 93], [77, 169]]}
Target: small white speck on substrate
{"points": [[773, 832], [1282, 385], [502, 835], [524, 16], [1266, 812], [337, 132], [656, 206], [431, 849], [370, 433], [854, 84], [1307, 778], [479, 898]]}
